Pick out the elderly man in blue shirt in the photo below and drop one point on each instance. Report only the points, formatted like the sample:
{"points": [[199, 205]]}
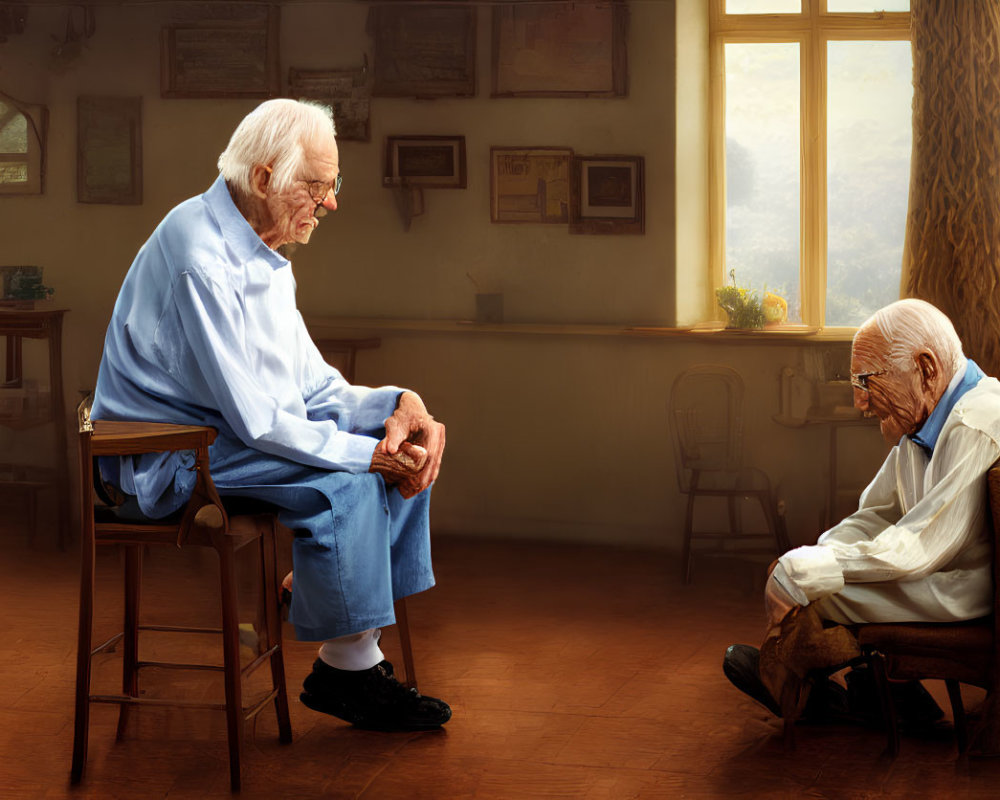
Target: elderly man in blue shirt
{"points": [[206, 331]]}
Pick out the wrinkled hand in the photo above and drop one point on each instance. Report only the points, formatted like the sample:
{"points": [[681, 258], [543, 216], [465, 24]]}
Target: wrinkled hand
{"points": [[410, 454]]}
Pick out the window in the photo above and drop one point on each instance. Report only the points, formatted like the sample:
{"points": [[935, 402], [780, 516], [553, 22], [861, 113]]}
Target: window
{"points": [[22, 146], [810, 153]]}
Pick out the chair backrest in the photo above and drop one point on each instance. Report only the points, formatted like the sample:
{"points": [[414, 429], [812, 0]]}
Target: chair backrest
{"points": [[706, 420]]}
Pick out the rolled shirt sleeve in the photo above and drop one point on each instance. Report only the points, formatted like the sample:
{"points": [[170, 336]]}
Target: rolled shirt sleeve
{"points": [[914, 519]]}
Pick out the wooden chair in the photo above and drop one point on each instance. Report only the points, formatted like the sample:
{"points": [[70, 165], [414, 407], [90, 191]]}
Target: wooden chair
{"points": [[706, 423], [965, 652], [203, 523]]}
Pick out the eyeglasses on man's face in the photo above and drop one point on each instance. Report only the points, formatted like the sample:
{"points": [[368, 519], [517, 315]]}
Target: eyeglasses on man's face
{"points": [[859, 380], [319, 190]]}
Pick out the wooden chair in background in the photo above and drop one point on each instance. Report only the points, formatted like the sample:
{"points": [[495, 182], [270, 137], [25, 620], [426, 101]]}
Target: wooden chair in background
{"points": [[203, 523], [706, 422]]}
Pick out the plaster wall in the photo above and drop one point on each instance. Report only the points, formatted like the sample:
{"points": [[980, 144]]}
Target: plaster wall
{"points": [[551, 436]]}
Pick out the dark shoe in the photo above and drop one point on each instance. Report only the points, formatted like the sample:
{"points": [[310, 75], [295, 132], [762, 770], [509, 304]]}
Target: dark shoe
{"points": [[741, 664], [916, 709], [828, 704], [372, 699]]}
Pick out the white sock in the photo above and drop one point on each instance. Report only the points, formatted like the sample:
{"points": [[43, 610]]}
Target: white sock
{"points": [[356, 651]]}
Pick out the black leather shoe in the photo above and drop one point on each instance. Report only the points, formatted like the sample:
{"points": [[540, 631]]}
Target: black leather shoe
{"points": [[916, 709], [372, 699], [741, 664]]}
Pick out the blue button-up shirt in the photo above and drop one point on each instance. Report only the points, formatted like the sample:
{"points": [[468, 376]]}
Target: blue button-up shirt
{"points": [[961, 382], [206, 331]]}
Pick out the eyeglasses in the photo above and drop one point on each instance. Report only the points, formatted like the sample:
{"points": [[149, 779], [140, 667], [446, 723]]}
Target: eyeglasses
{"points": [[318, 190], [860, 380]]}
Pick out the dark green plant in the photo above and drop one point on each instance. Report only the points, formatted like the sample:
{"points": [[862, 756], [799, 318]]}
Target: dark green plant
{"points": [[742, 305], [29, 287]]}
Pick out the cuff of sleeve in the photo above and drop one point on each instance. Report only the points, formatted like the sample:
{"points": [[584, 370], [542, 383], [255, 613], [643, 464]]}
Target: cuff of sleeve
{"points": [[813, 571]]}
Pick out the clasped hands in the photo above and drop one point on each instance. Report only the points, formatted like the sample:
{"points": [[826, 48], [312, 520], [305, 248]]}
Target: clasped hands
{"points": [[409, 457]]}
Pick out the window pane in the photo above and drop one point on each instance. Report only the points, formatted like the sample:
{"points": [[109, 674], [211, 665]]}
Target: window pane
{"points": [[867, 6], [762, 169], [870, 92], [763, 6], [13, 134]]}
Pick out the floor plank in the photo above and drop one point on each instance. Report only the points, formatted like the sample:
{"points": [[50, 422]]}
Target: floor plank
{"points": [[573, 672]]}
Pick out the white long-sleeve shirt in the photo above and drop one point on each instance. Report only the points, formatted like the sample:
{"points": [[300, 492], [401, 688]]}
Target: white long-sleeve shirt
{"points": [[920, 529]]}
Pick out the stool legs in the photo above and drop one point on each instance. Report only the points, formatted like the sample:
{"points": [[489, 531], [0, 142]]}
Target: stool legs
{"points": [[130, 639], [403, 627], [83, 647], [272, 622], [231, 661]]}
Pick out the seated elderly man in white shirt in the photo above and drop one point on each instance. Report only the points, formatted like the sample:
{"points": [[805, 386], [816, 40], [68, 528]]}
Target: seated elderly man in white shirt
{"points": [[917, 549]]}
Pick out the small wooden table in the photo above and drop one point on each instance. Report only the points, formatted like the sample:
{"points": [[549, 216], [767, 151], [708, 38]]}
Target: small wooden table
{"points": [[17, 324]]}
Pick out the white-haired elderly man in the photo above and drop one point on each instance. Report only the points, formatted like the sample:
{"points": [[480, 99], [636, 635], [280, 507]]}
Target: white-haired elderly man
{"points": [[917, 549], [206, 331]]}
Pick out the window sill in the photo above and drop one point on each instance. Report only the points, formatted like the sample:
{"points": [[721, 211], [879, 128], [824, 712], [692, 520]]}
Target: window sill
{"points": [[705, 332]]}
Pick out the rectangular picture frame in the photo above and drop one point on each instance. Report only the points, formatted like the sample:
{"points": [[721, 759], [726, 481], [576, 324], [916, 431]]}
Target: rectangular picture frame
{"points": [[221, 59], [530, 184], [607, 195], [560, 49], [423, 50], [347, 91], [435, 162], [109, 150]]}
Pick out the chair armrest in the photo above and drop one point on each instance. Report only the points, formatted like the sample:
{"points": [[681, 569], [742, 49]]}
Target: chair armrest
{"points": [[114, 438]]}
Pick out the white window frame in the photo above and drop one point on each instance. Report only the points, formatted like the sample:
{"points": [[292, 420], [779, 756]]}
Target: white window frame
{"points": [[812, 29]]}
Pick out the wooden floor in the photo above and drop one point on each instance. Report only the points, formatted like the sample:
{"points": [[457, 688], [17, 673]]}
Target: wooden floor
{"points": [[573, 672]]}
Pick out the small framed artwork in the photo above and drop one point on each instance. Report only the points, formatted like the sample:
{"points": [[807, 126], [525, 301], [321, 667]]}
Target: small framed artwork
{"points": [[436, 162], [530, 184], [109, 150], [23, 133], [559, 49], [607, 195], [221, 59], [424, 51], [347, 91]]}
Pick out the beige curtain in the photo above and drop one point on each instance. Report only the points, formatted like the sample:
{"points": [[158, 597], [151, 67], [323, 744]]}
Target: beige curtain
{"points": [[951, 255]]}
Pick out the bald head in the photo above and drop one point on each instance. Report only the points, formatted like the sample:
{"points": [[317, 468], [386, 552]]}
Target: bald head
{"points": [[910, 326], [902, 360]]}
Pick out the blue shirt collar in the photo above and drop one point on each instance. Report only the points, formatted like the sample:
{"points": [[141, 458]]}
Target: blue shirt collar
{"points": [[928, 434], [241, 238]]}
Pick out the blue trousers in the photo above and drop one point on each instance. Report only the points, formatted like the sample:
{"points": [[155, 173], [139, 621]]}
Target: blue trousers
{"points": [[359, 546]]}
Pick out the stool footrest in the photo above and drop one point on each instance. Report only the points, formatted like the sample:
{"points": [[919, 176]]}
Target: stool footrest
{"points": [[178, 665], [124, 699]]}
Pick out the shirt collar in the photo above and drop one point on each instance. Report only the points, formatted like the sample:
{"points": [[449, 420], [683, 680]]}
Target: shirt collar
{"points": [[241, 238], [963, 380]]}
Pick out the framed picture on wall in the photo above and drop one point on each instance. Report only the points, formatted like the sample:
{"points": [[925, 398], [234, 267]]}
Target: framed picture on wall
{"points": [[347, 91], [530, 184], [607, 194], [436, 162], [560, 49], [424, 50], [109, 150], [221, 59]]}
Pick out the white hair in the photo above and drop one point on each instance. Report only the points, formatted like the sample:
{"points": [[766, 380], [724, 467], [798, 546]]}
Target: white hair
{"points": [[910, 326], [275, 134]]}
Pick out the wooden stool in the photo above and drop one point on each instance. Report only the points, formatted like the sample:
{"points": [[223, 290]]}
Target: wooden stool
{"points": [[203, 523]]}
